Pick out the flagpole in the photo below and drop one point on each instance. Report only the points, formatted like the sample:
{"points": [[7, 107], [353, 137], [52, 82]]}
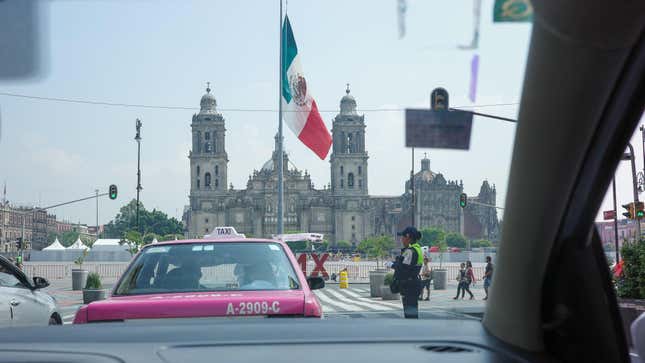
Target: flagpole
{"points": [[280, 140]]}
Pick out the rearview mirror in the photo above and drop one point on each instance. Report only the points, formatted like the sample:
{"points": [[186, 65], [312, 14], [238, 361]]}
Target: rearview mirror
{"points": [[315, 282], [40, 282]]}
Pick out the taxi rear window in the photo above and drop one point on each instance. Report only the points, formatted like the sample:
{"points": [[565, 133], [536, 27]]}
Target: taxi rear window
{"points": [[235, 266]]}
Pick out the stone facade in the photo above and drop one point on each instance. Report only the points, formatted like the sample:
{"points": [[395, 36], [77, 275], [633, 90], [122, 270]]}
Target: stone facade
{"points": [[342, 210], [14, 221]]}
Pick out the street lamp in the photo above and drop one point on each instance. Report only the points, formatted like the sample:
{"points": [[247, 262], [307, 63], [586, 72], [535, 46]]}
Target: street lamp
{"points": [[138, 138]]}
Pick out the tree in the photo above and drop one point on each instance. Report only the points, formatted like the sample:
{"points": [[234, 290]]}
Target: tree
{"points": [[149, 237], [431, 236], [154, 221], [443, 247], [133, 240], [68, 237], [455, 240], [480, 243], [323, 246], [297, 246], [343, 245], [378, 247], [170, 237]]}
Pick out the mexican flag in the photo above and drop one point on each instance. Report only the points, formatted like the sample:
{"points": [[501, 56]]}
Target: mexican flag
{"points": [[300, 110]]}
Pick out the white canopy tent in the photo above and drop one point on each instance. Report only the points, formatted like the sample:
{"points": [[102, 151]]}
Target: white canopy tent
{"points": [[107, 242], [78, 245], [56, 246], [154, 241]]}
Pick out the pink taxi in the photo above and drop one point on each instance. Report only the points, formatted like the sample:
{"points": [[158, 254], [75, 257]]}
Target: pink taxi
{"points": [[223, 277]]}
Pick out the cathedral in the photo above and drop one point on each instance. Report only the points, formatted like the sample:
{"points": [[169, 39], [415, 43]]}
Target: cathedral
{"points": [[343, 210]]}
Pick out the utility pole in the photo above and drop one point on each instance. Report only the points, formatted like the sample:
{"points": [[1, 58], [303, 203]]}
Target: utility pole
{"points": [[632, 158], [138, 138], [613, 187], [97, 213], [413, 204]]}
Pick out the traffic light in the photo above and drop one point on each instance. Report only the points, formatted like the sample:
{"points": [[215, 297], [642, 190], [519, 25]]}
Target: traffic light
{"points": [[629, 207], [439, 99], [639, 210], [19, 243], [463, 200], [112, 191]]}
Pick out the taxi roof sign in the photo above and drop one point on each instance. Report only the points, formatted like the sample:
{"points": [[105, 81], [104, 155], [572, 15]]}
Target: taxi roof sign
{"points": [[224, 232]]}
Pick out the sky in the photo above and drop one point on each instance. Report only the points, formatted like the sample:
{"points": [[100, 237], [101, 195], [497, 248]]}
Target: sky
{"points": [[164, 52]]}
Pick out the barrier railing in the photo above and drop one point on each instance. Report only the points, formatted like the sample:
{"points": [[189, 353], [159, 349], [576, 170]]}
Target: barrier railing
{"points": [[358, 272]]}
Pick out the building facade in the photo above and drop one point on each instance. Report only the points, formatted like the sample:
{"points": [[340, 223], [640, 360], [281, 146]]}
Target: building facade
{"points": [[342, 210]]}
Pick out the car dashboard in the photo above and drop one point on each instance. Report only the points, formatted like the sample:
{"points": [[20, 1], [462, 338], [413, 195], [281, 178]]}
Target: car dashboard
{"points": [[267, 340]]}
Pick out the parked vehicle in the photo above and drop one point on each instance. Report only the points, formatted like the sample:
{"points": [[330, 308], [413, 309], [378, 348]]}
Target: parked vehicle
{"points": [[21, 301]]}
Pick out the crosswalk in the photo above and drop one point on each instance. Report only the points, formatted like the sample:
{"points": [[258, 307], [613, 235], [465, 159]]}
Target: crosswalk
{"points": [[353, 300]]}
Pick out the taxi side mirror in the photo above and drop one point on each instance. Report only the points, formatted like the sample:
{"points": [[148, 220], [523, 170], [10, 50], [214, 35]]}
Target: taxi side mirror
{"points": [[315, 282]]}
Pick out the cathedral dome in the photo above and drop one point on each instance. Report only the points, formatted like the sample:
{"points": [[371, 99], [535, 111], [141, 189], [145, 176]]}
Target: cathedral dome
{"points": [[208, 102], [347, 104]]}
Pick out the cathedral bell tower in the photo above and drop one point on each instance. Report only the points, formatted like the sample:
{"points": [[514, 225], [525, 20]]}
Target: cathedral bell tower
{"points": [[349, 158], [208, 158]]}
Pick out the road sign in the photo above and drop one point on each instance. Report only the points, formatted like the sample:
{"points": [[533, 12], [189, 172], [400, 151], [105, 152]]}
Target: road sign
{"points": [[608, 214], [438, 129]]}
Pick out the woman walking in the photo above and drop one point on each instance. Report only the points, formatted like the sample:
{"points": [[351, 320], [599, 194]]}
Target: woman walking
{"points": [[461, 279], [470, 279]]}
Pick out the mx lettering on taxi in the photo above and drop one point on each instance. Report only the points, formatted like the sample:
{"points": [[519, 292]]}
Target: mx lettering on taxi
{"points": [[222, 275]]}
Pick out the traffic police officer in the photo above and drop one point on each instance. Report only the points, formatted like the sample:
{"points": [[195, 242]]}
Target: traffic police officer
{"points": [[407, 268]]}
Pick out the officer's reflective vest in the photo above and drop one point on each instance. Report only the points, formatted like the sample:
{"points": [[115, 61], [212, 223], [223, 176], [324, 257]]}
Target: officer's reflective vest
{"points": [[417, 247]]}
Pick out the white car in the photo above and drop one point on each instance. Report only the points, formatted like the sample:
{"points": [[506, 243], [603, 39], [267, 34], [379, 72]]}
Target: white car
{"points": [[21, 302]]}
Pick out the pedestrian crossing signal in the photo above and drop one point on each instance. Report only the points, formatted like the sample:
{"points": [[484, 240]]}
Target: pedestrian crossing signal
{"points": [[463, 200], [112, 191]]}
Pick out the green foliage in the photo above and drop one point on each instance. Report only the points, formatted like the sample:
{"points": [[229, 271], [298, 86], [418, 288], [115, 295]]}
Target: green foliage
{"points": [[480, 243], [378, 246], [171, 237], [388, 279], [149, 237], [68, 237], [632, 284], [455, 240], [80, 259], [93, 281], [154, 221], [297, 246], [431, 236], [323, 246], [343, 245]]}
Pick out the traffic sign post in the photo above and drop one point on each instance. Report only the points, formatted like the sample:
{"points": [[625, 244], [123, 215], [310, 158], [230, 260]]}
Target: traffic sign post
{"points": [[608, 214]]}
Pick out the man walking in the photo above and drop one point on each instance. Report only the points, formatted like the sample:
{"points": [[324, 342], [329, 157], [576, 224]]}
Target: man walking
{"points": [[488, 275], [407, 268], [426, 277]]}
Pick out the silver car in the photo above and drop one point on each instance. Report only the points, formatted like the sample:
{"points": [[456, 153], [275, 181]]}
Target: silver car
{"points": [[21, 302]]}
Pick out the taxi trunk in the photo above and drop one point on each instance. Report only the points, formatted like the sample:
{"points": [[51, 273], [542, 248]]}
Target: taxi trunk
{"points": [[195, 304]]}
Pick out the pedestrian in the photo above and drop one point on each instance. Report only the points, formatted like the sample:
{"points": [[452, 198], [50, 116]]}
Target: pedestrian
{"points": [[488, 275], [426, 277], [470, 279], [461, 279], [407, 268]]}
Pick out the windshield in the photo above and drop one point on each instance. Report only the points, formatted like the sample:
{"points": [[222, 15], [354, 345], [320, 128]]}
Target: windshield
{"points": [[134, 123], [209, 267]]}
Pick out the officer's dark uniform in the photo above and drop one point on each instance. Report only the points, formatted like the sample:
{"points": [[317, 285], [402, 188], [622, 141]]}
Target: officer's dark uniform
{"points": [[407, 268]]}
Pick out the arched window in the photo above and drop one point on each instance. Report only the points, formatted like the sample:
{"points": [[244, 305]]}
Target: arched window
{"points": [[216, 169], [214, 143], [341, 170], [360, 183], [350, 143], [216, 183], [350, 180], [207, 180], [341, 183], [197, 183], [198, 170], [207, 136], [208, 147], [360, 170], [199, 141]]}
